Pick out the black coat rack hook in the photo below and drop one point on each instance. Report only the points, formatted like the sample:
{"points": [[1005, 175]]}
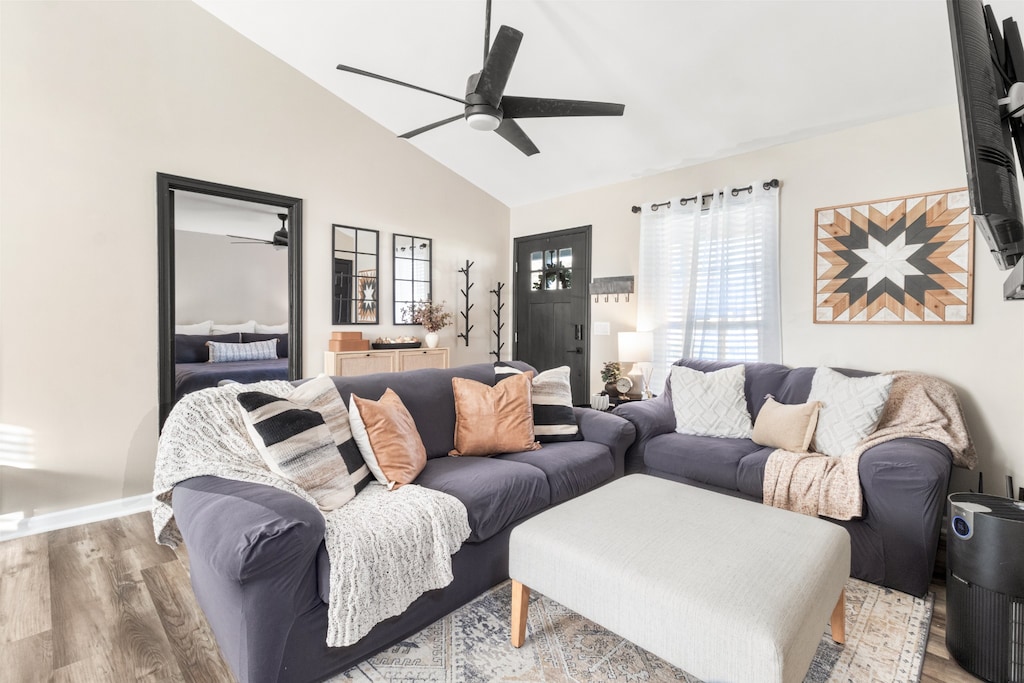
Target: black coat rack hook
{"points": [[498, 325], [466, 305]]}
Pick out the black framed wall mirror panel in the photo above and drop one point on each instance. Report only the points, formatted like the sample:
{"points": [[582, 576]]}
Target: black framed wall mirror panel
{"points": [[180, 353], [413, 274], [355, 265]]}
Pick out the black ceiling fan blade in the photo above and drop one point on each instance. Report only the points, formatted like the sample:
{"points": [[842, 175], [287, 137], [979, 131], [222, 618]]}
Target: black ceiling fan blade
{"points": [[498, 65], [429, 126], [511, 131], [537, 107], [360, 72]]}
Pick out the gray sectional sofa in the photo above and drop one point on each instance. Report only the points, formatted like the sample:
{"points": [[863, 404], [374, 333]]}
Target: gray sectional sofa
{"points": [[260, 570], [904, 481]]}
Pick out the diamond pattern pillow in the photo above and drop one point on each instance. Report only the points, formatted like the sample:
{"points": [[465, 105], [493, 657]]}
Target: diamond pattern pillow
{"points": [[305, 438], [710, 403], [850, 408]]}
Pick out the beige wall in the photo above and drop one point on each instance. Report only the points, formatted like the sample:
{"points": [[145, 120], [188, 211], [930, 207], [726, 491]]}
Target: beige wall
{"points": [[97, 98], [908, 155]]}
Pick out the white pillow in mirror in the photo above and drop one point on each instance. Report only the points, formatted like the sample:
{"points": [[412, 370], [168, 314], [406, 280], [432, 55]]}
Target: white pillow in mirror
{"points": [[272, 329], [249, 326], [195, 328], [711, 403]]}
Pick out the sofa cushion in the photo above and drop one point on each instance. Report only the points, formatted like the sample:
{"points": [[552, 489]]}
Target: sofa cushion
{"points": [[850, 409], [700, 458], [495, 492], [786, 425], [427, 394], [496, 419], [553, 416], [761, 379], [750, 472], [387, 438], [305, 438], [710, 403], [571, 468]]}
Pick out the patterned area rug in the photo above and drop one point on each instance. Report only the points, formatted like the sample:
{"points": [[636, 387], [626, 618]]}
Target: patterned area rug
{"points": [[886, 633]]}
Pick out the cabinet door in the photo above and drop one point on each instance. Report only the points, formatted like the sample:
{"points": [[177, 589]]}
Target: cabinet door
{"points": [[351, 363], [415, 359]]}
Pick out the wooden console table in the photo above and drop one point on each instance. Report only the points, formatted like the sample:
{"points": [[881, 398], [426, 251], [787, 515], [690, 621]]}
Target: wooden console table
{"points": [[350, 363]]}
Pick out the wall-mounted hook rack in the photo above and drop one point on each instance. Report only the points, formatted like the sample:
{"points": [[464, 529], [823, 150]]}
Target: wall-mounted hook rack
{"points": [[621, 284], [498, 325], [466, 305]]}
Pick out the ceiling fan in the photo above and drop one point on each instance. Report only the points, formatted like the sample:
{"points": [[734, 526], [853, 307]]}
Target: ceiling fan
{"points": [[280, 238], [487, 107]]}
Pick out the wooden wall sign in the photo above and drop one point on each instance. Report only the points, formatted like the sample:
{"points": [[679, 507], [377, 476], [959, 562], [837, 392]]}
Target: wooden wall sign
{"points": [[903, 260]]}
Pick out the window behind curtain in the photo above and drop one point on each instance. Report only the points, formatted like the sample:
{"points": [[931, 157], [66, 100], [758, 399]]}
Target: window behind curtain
{"points": [[709, 279]]}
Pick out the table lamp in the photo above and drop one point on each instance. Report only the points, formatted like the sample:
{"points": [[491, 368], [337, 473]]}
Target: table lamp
{"points": [[638, 348]]}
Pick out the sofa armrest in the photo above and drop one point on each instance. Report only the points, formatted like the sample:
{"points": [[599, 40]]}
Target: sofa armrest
{"points": [[614, 432], [244, 530], [651, 418], [252, 558], [905, 482]]}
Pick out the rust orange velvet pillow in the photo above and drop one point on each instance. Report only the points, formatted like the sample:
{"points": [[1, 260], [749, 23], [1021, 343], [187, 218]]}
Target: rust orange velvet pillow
{"points": [[387, 438], [491, 420]]}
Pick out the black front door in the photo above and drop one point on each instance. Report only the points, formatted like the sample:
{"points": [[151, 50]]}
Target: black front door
{"points": [[552, 308]]}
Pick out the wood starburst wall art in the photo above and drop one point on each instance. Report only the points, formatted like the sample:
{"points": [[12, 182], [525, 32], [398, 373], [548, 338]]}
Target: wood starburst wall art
{"points": [[903, 260]]}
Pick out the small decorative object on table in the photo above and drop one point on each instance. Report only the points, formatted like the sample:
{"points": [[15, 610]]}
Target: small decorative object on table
{"points": [[432, 316], [610, 374], [396, 343]]}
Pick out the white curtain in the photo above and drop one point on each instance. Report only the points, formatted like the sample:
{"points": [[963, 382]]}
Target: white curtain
{"points": [[709, 279]]}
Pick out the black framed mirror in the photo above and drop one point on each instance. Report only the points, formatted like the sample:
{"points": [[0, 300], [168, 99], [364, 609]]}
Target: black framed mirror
{"points": [[412, 274], [286, 235], [355, 290]]}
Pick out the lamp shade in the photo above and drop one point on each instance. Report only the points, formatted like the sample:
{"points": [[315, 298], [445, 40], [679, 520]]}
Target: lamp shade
{"points": [[636, 347]]}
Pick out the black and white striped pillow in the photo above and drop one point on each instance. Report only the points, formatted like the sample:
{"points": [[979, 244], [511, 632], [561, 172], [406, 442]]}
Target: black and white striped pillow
{"points": [[553, 416], [305, 437]]}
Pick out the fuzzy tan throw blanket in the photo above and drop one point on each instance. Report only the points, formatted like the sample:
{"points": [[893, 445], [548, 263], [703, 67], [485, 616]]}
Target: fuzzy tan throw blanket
{"points": [[919, 406], [386, 547]]}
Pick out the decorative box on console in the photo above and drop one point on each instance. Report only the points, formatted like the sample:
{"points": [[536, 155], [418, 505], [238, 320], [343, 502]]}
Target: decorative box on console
{"points": [[348, 341]]}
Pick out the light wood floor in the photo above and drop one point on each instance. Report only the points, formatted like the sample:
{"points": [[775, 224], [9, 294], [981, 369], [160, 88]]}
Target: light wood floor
{"points": [[103, 602]]}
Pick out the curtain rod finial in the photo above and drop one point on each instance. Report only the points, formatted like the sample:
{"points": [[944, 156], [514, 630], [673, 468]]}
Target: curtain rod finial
{"points": [[635, 209]]}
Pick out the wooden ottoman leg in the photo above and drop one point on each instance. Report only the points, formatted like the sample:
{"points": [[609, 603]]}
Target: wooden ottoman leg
{"points": [[838, 619], [520, 606]]}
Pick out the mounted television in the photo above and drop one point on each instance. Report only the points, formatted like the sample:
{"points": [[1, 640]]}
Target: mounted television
{"points": [[989, 67]]}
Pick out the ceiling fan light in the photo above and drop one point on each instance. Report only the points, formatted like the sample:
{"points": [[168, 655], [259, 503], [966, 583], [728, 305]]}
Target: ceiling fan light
{"points": [[483, 122]]}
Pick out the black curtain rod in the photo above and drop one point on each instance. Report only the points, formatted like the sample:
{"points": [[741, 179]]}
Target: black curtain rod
{"points": [[767, 185]]}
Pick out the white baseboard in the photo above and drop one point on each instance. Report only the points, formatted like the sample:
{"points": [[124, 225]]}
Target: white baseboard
{"points": [[12, 526]]}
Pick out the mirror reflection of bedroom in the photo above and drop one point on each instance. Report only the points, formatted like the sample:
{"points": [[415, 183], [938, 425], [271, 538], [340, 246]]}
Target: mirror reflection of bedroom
{"points": [[230, 291]]}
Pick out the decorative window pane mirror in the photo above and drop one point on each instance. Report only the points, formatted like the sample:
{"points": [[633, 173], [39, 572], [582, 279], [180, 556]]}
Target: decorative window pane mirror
{"points": [[355, 282], [412, 274]]}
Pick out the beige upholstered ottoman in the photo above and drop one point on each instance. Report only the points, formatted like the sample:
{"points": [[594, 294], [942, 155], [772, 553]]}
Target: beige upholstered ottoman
{"points": [[723, 588]]}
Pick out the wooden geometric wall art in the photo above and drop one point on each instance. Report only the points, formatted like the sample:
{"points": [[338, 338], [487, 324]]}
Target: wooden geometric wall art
{"points": [[903, 260]]}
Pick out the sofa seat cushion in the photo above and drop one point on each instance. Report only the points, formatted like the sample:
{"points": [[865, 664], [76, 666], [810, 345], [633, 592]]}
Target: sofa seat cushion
{"points": [[750, 472], [571, 468], [495, 492], [703, 459]]}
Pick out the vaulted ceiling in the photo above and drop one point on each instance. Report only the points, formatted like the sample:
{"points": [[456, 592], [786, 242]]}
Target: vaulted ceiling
{"points": [[700, 80]]}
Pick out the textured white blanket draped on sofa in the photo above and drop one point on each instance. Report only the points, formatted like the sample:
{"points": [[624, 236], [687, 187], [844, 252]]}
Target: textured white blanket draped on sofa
{"points": [[386, 548]]}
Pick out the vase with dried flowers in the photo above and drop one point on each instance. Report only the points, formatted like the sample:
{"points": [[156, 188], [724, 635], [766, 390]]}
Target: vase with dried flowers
{"points": [[431, 316]]}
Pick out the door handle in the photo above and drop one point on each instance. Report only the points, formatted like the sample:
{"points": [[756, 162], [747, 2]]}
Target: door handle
{"points": [[578, 349]]}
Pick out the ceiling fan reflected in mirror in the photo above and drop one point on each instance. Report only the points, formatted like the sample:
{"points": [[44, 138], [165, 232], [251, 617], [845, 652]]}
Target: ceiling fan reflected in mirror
{"points": [[487, 108], [280, 238]]}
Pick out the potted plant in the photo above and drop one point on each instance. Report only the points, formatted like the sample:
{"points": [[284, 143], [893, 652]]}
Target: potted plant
{"points": [[431, 316], [610, 374]]}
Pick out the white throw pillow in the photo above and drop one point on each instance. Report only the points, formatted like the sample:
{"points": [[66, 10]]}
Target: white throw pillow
{"points": [[195, 328], [850, 408], [272, 329], [711, 403], [249, 326]]}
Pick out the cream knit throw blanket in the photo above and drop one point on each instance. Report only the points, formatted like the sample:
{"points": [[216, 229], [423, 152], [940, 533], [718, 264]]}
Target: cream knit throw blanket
{"points": [[386, 548], [919, 406]]}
